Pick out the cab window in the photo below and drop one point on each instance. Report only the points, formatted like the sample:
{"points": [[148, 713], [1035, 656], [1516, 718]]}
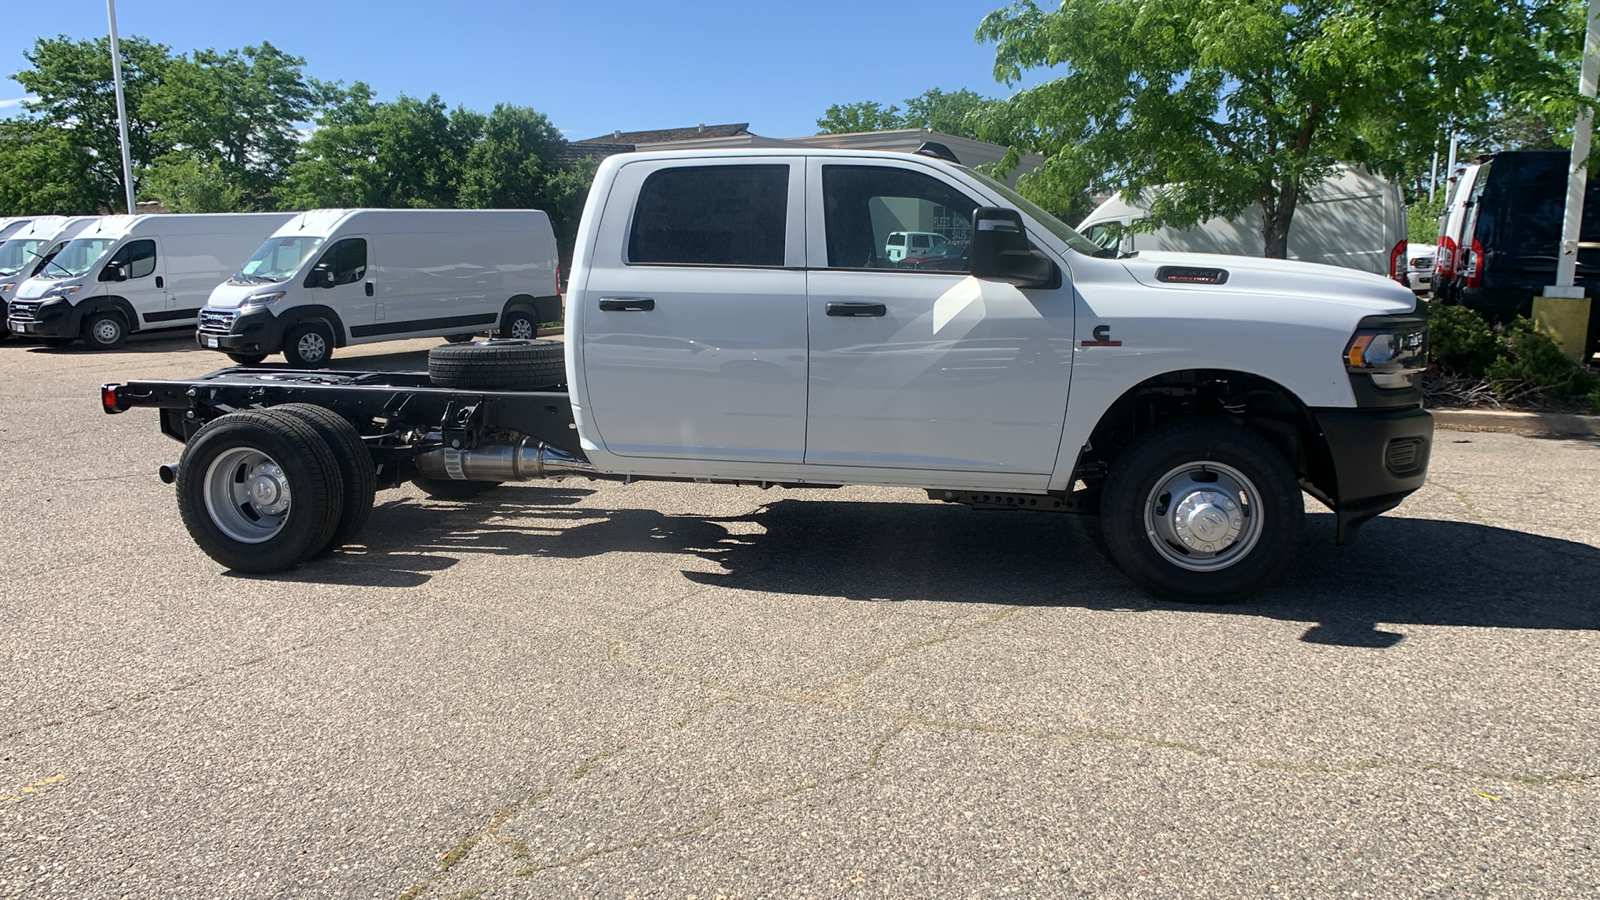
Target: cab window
{"points": [[711, 216], [865, 206], [346, 260], [135, 259]]}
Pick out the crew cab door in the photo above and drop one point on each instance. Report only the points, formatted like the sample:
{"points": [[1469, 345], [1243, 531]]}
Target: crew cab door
{"points": [[914, 363], [694, 313]]}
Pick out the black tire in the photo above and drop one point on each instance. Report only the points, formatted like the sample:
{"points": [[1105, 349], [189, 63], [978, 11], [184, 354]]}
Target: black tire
{"points": [[356, 467], [57, 342], [1231, 551], [240, 527], [459, 338], [509, 365], [519, 325], [105, 330], [308, 345], [248, 359], [450, 489]]}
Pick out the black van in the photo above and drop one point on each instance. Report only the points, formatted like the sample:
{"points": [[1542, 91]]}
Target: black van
{"points": [[1512, 237]]}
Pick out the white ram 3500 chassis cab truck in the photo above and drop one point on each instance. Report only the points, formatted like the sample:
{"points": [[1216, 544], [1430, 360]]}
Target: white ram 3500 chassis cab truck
{"points": [[733, 317]]}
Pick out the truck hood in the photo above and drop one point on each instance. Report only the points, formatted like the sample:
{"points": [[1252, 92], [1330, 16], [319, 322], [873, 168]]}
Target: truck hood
{"points": [[228, 295], [1290, 279]]}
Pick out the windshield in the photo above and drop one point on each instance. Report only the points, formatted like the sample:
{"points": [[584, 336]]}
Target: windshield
{"points": [[1055, 226], [276, 260], [77, 257], [14, 255]]}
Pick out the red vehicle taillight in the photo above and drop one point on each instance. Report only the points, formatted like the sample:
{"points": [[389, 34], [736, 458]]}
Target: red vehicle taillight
{"points": [[1444, 261], [1474, 273], [1397, 258]]}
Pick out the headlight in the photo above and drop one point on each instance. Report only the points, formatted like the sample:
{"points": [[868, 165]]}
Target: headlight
{"points": [[6, 287], [66, 290], [256, 300], [1389, 348]]}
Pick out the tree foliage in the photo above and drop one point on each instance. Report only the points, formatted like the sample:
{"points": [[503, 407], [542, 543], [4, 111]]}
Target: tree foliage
{"points": [[1236, 103], [955, 112]]}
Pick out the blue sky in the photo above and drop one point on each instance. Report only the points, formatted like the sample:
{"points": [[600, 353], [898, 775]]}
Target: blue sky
{"points": [[591, 67]]}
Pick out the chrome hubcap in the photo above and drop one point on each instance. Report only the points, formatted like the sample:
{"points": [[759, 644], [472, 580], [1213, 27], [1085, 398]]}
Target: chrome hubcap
{"points": [[311, 346], [1203, 516], [247, 495]]}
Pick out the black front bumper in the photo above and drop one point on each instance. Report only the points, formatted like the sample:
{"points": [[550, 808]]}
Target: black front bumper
{"points": [[55, 318], [1380, 456], [253, 332]]}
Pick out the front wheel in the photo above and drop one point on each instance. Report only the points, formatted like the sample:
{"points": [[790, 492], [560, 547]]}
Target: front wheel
{"points": [[308, 345], [1203, 511], [105, 330], [259, 492]]}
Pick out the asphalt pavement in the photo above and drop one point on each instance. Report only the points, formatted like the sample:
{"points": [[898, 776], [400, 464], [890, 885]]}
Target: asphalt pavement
{"points": [[585, 688]]}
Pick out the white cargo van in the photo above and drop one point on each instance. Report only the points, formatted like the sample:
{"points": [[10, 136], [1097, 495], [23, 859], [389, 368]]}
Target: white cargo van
{"points": [[135, 273], [1353, 219], [333, 277], [28, 249], [12, 225]]}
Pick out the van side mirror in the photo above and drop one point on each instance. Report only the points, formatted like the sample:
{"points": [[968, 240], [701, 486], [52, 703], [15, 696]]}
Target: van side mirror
{"points": [[322, 276], [114, 271], [1000, 251]]}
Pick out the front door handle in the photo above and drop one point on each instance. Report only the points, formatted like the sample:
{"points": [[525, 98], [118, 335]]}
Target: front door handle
{"points": [[627, 304], [159, 282], [369, 289], [857, 310]]}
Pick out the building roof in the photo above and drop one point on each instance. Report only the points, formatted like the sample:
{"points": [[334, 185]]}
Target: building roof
{"points": [[662, 135]]}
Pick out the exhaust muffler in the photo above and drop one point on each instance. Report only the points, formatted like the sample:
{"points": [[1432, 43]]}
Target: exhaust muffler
{"points": [[502, 461]]}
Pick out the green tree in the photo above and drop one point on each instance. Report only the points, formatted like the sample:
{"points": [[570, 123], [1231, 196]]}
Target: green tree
{"points": [[44, 171], [190, 183], [513, 165], [234, 114], [850, 118], [954, 113], [1250, 103], [72, 81], [407, 153]]}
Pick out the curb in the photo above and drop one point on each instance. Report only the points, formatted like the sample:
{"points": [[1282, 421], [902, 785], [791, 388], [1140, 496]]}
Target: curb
{"points": [[1550, 424], [557, 331]]}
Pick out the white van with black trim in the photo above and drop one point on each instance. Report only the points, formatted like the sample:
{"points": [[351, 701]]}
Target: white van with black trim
{"points": [[28, 248], [134, 273], [333, 277]]}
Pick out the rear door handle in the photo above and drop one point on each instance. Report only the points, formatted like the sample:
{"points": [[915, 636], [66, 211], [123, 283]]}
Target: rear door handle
{"points": [[857, 310], [627, 304]]}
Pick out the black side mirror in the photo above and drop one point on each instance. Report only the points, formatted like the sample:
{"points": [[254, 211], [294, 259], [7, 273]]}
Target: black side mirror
{"points": [[322, 275], [114, 271], [1000, 251]]}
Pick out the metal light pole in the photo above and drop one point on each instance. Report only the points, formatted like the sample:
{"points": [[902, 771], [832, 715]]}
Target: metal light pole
{"points": [[1563, 311], [122, 112]]}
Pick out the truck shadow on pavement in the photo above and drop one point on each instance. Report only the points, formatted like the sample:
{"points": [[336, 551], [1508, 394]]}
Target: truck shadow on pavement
{"points": [[1400, 572]]}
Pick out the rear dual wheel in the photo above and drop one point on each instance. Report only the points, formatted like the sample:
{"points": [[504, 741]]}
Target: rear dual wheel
{"points": [[265, 490]]}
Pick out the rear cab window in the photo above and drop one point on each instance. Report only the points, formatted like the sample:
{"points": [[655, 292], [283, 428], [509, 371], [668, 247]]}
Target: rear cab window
{"points": [[733, 215]]}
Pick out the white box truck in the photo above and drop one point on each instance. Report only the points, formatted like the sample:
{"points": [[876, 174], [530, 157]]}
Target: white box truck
{"points": [[333, 277], [135, 273], [29, 248], [1353, 219]]}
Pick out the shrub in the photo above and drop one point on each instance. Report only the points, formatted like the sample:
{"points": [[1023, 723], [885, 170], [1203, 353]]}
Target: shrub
{"points": [[1459, 340], [1529, 361]]}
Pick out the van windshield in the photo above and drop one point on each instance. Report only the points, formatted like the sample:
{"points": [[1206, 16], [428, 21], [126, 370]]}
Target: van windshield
{"points": [[14, 255], [77, 257], [276, 260], [1055, 226]]}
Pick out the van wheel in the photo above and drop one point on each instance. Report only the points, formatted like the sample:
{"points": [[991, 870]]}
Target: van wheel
{"points": [[356, 467], [259, 492], [105, 330], [1202, 511], [506, 365], [519, 325], [308, 345], [247, 359]]}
